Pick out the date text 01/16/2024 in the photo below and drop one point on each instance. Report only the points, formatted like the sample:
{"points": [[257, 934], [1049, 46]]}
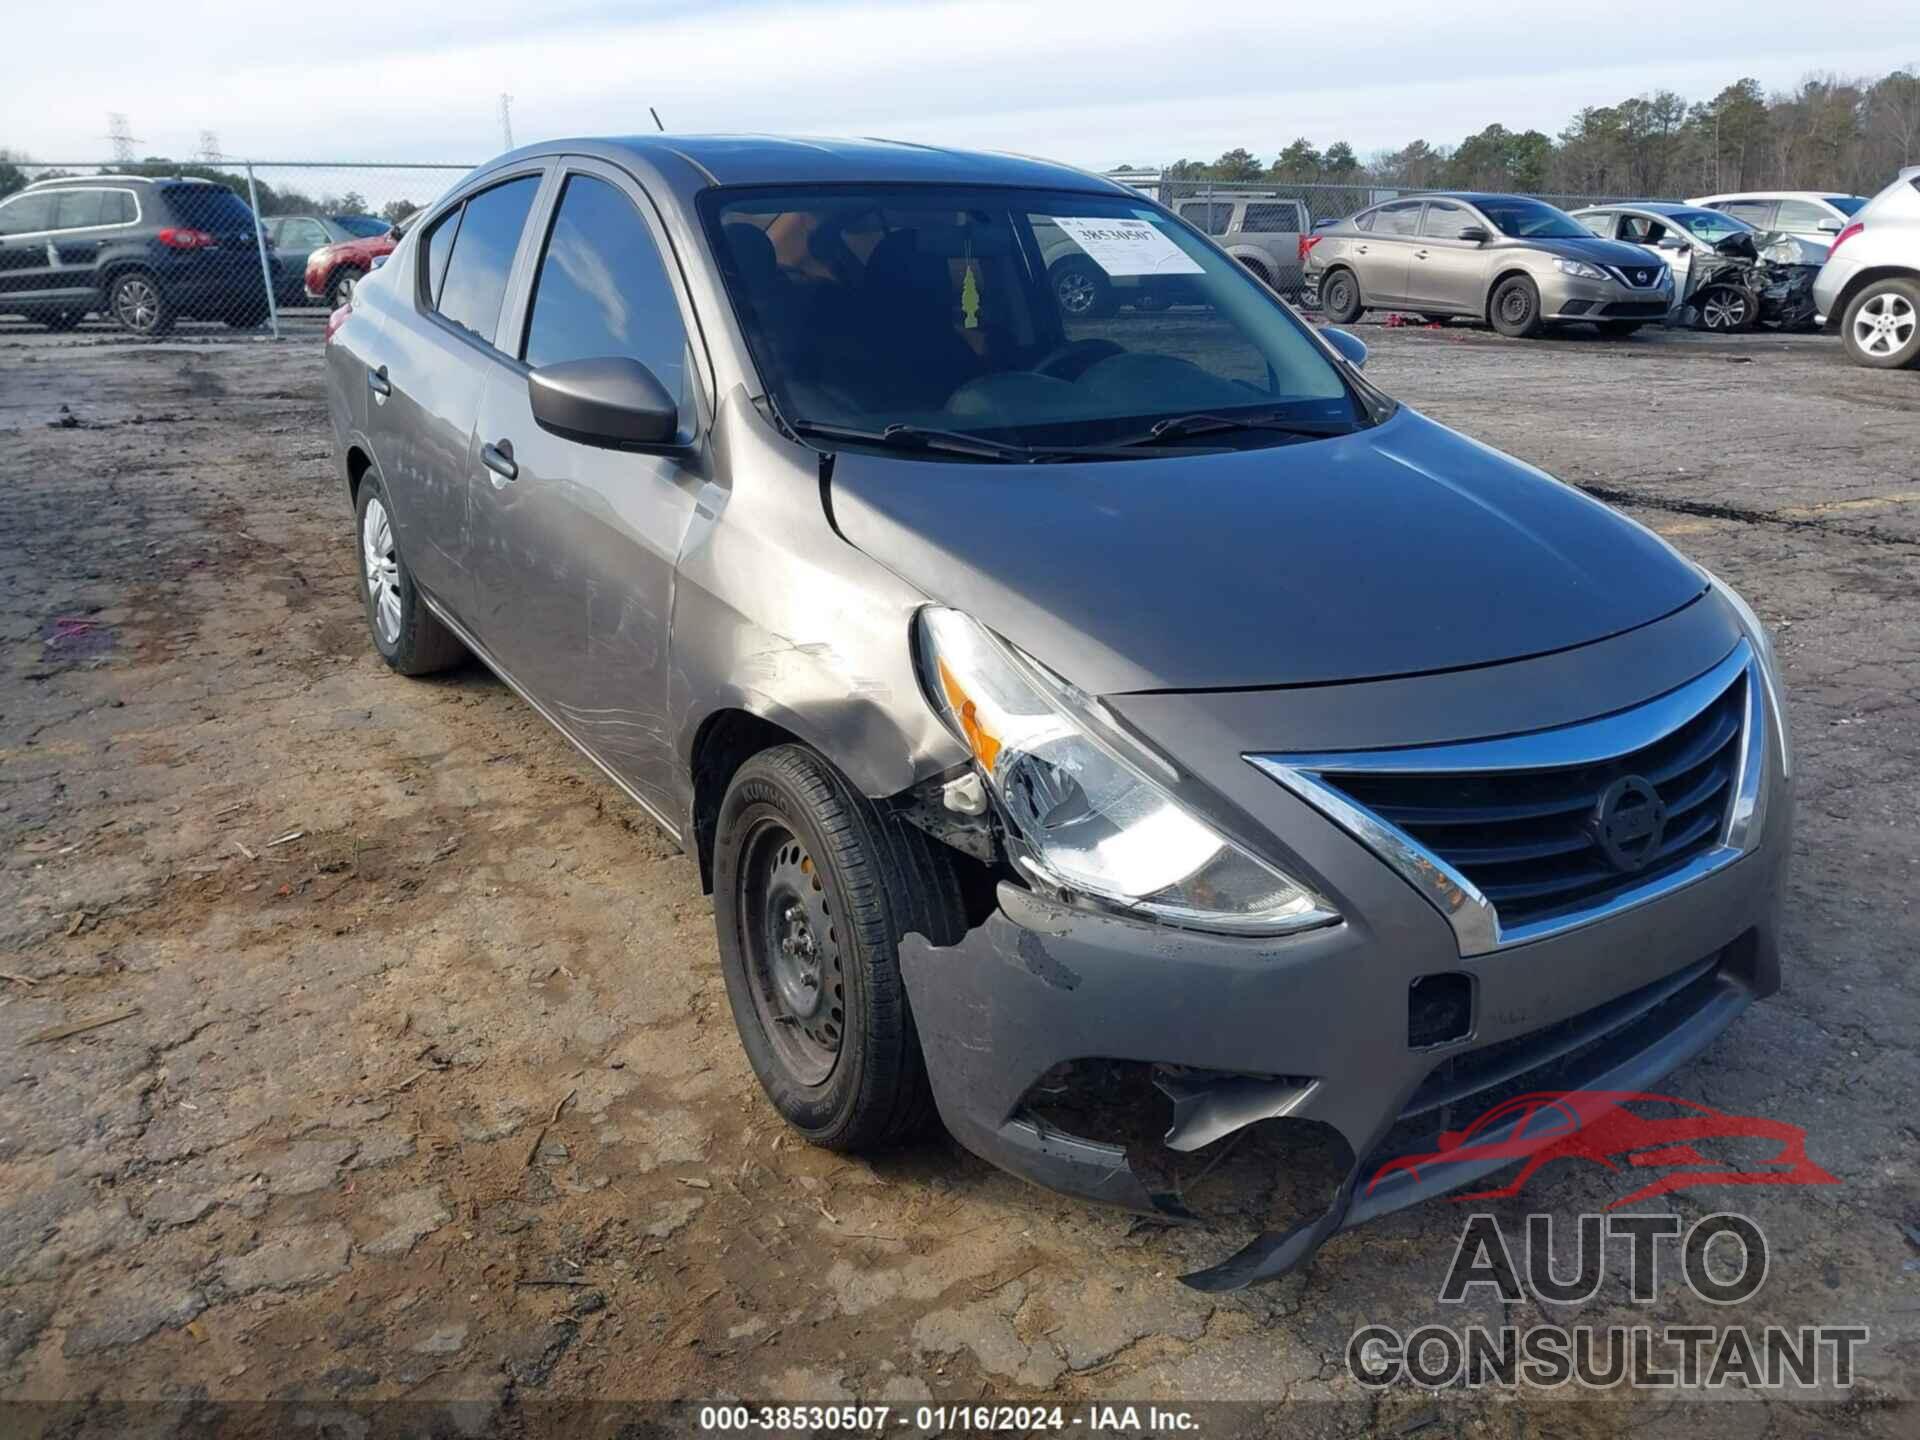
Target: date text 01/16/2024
{"points": [[943, 1419]]}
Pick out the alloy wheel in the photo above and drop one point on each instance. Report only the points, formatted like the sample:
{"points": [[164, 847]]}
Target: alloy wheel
{"points": [[793, 953], [1885, 324], [1723, 309], [136, 304], [383, 571], [1075, 291]]}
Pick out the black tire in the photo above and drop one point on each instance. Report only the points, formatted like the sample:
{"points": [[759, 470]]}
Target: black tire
{"points": [[340, 285], [792, 835], [1340, 298], [1881, 314], [61, 320], [419, 644], [1726, 309], [138, 304], [1617, 329], [1514, 308]]}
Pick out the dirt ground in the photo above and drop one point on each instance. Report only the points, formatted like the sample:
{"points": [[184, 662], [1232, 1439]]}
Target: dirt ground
{"points": [[409, 1072]]}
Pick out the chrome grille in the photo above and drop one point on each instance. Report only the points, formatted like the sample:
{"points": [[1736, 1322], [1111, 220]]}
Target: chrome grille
{"points": [[1518, 838]]}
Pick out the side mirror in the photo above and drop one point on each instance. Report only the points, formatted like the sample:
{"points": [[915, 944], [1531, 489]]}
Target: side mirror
{"points": [[612, 401], [1829, 227], [1669, 242], [1478, 234], [1352, 348]]}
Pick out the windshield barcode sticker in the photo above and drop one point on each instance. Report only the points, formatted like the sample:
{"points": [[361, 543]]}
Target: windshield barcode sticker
{"points": [[1127, 247]]}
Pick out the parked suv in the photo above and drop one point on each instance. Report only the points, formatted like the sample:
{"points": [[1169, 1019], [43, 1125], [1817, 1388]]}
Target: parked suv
{"points": [[1262, 232], [146, 251], [1512, 260], [1084, 727], [1869, 289]]}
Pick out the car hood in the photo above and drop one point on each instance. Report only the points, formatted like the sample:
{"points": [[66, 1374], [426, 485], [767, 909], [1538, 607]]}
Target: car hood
{"points": [[1398, 550], [1595, 251]]}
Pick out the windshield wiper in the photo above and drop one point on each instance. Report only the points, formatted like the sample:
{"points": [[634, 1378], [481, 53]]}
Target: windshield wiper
{"points": [[1182, 425], [918, 438]]}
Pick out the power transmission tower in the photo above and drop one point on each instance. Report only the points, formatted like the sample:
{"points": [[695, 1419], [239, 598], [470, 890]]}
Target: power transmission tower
{"points": [[121, 134], [506, 119], [210, 148]]}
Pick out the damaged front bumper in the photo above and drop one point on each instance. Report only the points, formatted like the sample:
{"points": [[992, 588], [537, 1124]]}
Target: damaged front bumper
{"points": [[1323, 1027]]}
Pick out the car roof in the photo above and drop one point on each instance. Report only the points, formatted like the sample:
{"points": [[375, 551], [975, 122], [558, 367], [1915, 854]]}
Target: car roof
{"points": [[697, 162], [1651, 207], [120, 180], [1775, 195]]}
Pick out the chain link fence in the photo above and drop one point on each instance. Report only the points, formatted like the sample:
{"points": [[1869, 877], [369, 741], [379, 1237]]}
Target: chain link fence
{"points": [[160, 248]]}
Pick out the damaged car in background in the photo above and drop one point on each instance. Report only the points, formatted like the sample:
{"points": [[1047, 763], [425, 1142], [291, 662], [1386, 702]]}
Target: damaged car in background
{"points": [[1046, 696]]}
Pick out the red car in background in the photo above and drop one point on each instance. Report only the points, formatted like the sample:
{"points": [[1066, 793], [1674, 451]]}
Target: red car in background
{"points": [[333, 270]]}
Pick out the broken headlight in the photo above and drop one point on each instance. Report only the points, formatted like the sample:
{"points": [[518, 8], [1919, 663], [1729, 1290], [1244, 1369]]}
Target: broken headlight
{"points": [[1079, 816]]}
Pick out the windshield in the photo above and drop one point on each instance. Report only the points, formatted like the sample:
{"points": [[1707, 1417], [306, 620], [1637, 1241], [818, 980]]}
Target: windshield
{"points": [[363, 225], [1021, 316], [1847, 204], [1530, 219], [1710, 225]]}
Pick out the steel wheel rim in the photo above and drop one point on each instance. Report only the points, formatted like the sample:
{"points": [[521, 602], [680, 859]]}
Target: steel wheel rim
{"points": [[794, 963], [382, 567], [1515, 307], [1724, 310], [1340, 296], [1075, 292], [1885, 324], [136, 304]]}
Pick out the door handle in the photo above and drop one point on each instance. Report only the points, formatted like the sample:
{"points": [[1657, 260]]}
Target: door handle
{"points": [[1420, 254], [378, 383], [499, 459], [1359, 249]]}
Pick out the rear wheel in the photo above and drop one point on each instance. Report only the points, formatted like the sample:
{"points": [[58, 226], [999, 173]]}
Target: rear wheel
{"points": [[813, 889], [1618, 329], [139, 305], [1515, 308], [1340, 297], [1727, 309], [409, 636], [340, 287], [1881, 328]]}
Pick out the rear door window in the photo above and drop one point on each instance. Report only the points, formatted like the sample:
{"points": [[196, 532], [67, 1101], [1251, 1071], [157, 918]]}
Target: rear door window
{"points": [[603, 289], [1210, 218], [1600, 224], [78, 209], [1400, 218], [1799, 215], [1442, 221], [475, 278], [1757, 213]]}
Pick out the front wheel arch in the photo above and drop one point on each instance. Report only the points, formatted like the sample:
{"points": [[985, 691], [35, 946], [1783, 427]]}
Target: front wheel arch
{"points": [[1860, 282]]}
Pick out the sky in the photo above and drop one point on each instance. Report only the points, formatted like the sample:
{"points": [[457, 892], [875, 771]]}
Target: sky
{"points": [[1123, 81]]}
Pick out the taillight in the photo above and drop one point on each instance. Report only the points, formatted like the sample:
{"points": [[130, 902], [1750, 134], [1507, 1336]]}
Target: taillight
{"points": [[175, 238], [1844, 236], [336, 320], [1307, 242]]}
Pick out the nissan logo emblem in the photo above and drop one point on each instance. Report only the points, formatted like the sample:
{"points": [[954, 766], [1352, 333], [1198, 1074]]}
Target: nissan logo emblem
{"points": [[1628, 823]]}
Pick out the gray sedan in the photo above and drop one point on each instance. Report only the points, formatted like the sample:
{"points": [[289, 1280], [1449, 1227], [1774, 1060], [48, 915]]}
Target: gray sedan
{"points": [[1511, 260], [1086, 726]]}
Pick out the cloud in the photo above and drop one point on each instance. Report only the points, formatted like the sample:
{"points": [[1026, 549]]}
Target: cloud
{"points": [[1093, 84]]}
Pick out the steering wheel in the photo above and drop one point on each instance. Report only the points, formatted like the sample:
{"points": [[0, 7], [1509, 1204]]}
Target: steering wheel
{"points": [[1073, 359]]}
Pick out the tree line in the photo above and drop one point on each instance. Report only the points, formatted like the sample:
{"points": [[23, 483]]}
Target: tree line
{"points": [[16, 171], [1829, 133]]}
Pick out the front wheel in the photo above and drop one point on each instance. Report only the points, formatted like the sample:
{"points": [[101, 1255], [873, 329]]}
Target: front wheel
{"points": [[1727, 309], [1515, 308], [1340, 299], [340, 287], [813, 889], [1881, 328]]}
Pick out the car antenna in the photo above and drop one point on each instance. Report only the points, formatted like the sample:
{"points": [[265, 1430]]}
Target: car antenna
{"points": [[656, 120]]}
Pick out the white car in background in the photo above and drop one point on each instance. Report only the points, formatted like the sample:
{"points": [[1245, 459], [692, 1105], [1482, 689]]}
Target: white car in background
{"points": [[1673, 233], [1815, 215]]}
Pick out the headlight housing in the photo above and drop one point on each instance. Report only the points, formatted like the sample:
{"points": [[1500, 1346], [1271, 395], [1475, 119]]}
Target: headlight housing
{"points": [[1079, 816], [1580, 268], [1762, 641]]}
